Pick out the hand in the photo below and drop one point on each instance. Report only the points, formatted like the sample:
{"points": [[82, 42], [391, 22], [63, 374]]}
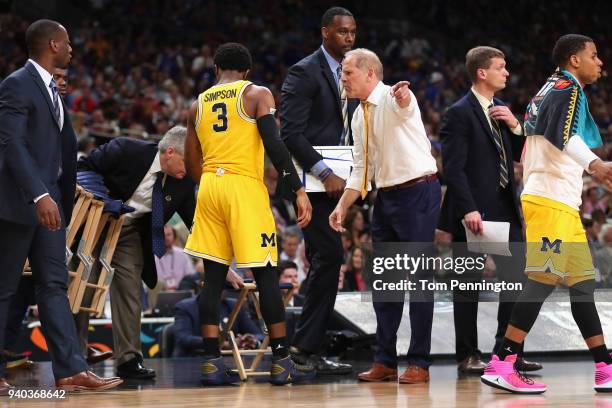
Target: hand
{"points": [[502, 113], [233, 279], [334, 185], [474, 222], [336, 218], [304, 208], [602, 172], [401, 93], [48, 213]]}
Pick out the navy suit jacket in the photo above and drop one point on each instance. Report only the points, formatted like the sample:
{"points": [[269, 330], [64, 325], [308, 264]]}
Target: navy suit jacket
{"points": [[124, 162], [310, 109], [471, 166], [187, 328], [32, 148]]}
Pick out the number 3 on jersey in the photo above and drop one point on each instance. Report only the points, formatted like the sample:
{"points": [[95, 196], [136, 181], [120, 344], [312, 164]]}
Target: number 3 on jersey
{"points": [[221, 110]]}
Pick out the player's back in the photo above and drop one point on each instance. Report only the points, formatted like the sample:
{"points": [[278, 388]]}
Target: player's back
{"points": [[229, 138]]}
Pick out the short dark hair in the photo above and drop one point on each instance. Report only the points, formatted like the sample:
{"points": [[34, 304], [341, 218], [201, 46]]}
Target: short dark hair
{"points": [[328, 16], [38, 35], [480, 57], [282, 265], [566, 46], [233, 57]]}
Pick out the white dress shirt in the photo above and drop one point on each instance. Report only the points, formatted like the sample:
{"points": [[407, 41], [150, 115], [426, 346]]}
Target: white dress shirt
{"points": [[398, 147], [141, 199], [46, 78], [485, 103]]}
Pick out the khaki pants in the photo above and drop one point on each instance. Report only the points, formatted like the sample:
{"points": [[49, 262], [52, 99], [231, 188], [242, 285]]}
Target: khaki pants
{"points": [[125, 291]]}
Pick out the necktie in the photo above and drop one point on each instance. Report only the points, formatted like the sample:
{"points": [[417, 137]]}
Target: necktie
{"points": [[366, 131], [499, 144], [56, 106], [157, 217], [344, 140]]}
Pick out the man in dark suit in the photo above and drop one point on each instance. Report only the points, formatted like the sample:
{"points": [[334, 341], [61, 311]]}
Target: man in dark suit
{"points": [[37, 186], [187, 329], [150, 178], [314, 112], [480, 140]]}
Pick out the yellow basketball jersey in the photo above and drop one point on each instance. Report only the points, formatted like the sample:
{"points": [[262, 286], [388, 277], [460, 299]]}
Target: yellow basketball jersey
{"points": [[229, 138]]}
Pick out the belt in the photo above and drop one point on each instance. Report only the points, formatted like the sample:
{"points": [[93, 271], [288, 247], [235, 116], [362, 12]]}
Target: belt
{"points": [[410, 183]]}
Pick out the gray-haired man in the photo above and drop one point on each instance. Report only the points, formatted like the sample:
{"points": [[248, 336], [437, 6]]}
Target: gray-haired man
{"points": [[150, 178]]}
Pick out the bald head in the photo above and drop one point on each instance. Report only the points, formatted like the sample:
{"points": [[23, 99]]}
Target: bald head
{"points": [[361, 72], [38, 35]]}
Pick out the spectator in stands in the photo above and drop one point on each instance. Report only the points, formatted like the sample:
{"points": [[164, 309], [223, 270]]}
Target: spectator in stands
{"points": [[172, 267], [594, 200], [288, 273], [354, 223], [187, 333], [290, 243], [353, 278]]}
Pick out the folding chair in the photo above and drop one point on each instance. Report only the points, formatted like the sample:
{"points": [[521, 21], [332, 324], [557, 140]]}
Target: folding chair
{"points": [[248, 290], [89, 217]]}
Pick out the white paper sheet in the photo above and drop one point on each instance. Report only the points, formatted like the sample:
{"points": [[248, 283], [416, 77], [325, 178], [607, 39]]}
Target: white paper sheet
{"points": [[338, 158], [493, 241]]}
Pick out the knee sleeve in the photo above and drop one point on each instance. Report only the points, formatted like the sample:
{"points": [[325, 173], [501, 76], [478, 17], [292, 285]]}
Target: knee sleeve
{"points": [[583, 308], [270, 300], [210, 297], [528, 305]]}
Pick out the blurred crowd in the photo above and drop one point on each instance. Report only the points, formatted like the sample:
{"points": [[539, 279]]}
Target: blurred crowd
{"points": [[137, 68]]}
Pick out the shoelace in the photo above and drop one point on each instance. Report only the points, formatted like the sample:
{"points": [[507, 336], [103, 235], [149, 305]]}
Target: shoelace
{"points": [[523, 377]]}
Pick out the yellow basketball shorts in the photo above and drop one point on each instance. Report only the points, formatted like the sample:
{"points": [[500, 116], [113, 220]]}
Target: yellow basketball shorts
{"points": [[233, 218], [557, 247]]}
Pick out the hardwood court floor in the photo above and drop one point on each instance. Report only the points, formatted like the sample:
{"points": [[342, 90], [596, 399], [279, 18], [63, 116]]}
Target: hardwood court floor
{"points": [[569, 385]]}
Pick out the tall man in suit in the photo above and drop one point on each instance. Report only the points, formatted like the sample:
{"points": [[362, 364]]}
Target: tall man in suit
{"points": [[314, 111], [37, 186], [480, 139], [150, 178]]}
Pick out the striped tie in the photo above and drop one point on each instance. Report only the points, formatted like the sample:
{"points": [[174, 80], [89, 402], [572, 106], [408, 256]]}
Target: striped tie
{"points": [[499, 144], [366, 131], [56, 106], [344, 140]]}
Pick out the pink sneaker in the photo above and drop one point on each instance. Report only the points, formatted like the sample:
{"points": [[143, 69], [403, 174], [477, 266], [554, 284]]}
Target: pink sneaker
{"points": [[502, 374], [603, 377]]}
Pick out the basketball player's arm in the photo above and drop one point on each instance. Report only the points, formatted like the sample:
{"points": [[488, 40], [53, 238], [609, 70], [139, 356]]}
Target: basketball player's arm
{"points": [[193, 151], [276, 149]]}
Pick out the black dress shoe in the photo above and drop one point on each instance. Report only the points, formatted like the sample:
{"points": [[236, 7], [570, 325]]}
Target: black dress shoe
{"points": [[472, 364], [525, 365], [135, 370], [320, 364], [94, 356]]}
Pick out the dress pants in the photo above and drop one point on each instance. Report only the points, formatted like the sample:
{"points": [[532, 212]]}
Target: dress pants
{"points": [[324, 252], [406, 215], [46, 251], [509, 269]]}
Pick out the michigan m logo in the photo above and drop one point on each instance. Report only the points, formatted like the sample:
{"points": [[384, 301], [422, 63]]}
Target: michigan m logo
{"points": [[265, 240], [555, 245]]}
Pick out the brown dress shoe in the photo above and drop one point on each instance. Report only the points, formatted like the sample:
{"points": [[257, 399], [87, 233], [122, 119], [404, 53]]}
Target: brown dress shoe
{"points": [[87, 381], [414, 375], [472, 364], [4, 387], [378, 373]]}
